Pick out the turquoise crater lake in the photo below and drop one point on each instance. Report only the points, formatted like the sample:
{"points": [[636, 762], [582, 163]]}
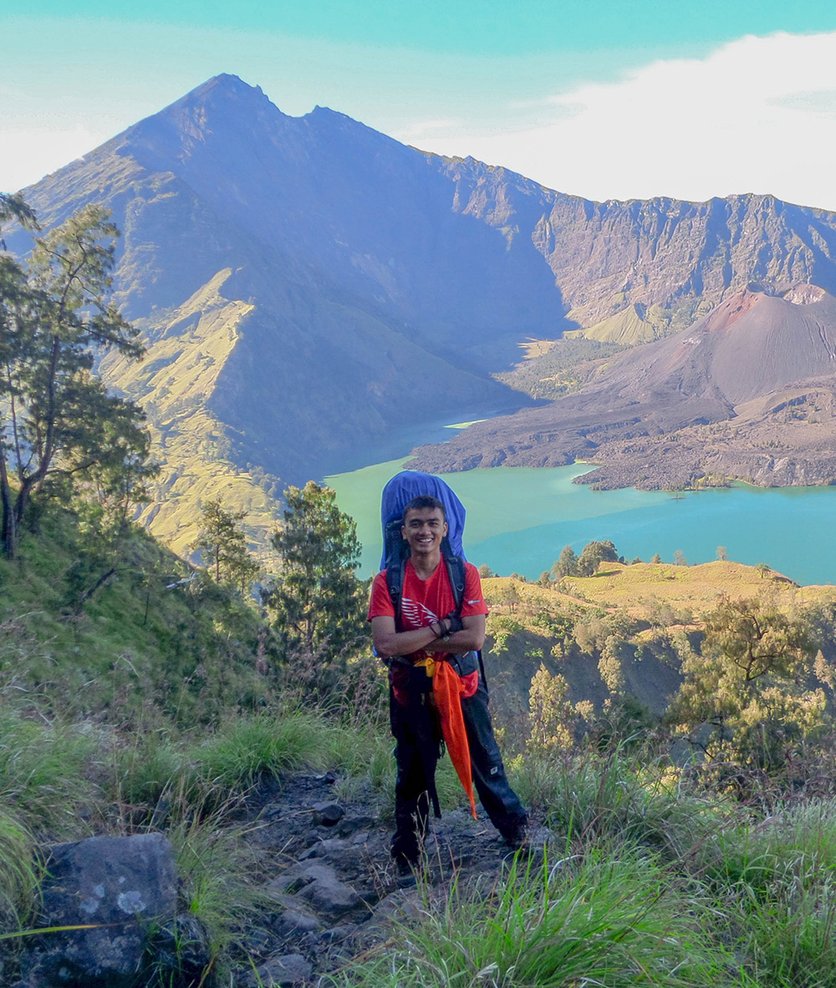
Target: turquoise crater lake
{"points": [[520, 518]]}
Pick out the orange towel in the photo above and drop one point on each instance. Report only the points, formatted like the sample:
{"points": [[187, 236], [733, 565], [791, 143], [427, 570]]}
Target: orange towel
{"points": [[447, 687]]}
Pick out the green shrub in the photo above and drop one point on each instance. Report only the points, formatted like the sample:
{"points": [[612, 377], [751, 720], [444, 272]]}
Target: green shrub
{"points": [[274, 743]]}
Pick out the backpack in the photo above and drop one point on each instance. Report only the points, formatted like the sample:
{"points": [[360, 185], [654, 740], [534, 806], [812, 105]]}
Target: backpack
{"points": [[397, 493]]}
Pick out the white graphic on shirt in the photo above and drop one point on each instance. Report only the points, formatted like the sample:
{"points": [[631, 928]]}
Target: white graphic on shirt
{"points": [[417, 614]]}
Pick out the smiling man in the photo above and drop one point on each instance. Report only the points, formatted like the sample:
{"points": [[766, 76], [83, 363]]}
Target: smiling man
{"points": [[430, 636]]}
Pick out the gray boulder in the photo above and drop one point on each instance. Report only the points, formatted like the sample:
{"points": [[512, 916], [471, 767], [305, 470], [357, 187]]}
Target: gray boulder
{"points": [[125, 890]]}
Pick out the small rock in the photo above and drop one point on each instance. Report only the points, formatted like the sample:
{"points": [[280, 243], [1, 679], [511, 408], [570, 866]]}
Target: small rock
{"points": [[292, 921], [284, 971], [403, 905], [338, 933], [332, 899], [328, 814], [326, 893], [351, 824]]}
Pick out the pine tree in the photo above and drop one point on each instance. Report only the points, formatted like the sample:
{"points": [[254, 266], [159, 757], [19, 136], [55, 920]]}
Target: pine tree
{"points": [[316, 600], [595, 553], [752, 692], [57, 421], [222, 545], [567, 563]]}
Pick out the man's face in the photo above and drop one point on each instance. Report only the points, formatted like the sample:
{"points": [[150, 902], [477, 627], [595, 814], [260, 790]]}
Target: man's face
{"points": [[423, 529]]}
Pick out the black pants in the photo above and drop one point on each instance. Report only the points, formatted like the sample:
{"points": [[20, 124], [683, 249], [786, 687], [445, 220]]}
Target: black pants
{"points": [[417, 735]]}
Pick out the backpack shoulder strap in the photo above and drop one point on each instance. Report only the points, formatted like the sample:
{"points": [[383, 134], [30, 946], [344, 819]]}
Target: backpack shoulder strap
{"points": [[394, 583], [456, 573]]}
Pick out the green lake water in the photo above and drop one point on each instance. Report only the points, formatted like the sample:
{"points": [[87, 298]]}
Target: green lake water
{"points": [[518, 520]]}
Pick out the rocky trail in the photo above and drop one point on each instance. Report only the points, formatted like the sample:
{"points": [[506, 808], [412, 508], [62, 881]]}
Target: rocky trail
{"points": [[335, 888]]}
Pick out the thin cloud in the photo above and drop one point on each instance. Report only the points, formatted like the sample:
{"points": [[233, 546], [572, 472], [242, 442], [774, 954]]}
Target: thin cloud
{"points": [[753, 116], [822, 102], [430, 129]]}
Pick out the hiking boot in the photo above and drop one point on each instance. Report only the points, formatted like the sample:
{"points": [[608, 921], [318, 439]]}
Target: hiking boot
{"points": [[405, 866], [517, 838]]}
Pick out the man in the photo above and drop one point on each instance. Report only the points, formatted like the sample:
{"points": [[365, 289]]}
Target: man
{"points": [[428, 630]]}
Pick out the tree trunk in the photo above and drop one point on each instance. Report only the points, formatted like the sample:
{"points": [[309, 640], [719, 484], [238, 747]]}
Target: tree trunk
{"points": [[9, 528], [97, 585], [8, 512], [21, 502]]}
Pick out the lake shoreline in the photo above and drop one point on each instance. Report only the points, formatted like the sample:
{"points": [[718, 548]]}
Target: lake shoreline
{"points": [[520, 518]]}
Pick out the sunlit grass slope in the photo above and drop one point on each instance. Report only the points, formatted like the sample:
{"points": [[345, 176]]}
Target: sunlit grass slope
{"points": [[173, 384], [641, 586]]}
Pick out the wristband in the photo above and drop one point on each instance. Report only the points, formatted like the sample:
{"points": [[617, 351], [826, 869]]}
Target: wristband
{"points": [[454, 623]]}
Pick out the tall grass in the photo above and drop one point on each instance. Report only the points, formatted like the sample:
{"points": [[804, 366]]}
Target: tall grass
{"points": [[218, 869], [269, 743], [19, 872], [788, 937], [775, 884], [42, 771], [144, 769], [610, 919], [793, 845], [161, 777], [593, 797]]}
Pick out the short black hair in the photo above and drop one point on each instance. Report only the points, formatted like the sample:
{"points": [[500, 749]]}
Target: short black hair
{"points": [[423, 501]]}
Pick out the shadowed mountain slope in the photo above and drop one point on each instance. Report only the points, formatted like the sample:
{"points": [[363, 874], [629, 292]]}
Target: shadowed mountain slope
{"points": [[310, 290]]}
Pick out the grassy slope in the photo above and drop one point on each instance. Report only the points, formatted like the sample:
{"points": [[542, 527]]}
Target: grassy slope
{"points": [[650, 597], [628, 327], [116, 746], [640, 587], [552, 368], [141, 648]]}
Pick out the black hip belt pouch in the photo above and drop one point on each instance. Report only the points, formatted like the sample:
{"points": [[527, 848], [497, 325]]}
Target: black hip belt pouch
{"points": [[465, 664]]}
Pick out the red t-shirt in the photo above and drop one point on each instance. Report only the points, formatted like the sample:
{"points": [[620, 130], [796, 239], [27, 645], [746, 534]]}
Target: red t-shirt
{"points": [[423, 602]]}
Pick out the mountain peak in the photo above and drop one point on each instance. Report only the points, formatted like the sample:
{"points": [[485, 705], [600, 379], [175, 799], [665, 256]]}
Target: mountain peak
{"points": [[226, 87], [227, 81]]}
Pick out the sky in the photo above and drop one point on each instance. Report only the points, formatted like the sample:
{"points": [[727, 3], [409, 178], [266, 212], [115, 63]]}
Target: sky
{"points": [[607, 99]]}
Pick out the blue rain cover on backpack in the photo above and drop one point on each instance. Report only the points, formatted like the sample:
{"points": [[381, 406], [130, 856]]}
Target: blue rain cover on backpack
{"points": [[406, 485]]}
